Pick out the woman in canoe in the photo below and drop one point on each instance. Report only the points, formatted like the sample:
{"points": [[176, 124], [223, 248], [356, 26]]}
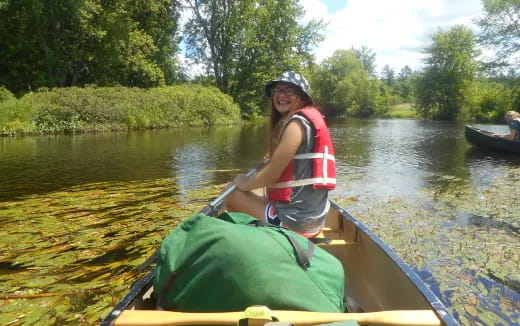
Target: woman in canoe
{"points": [[513, 120], [301, 169]]}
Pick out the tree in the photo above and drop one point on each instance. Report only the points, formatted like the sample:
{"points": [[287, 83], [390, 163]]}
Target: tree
{"points": [[31, 35], [343, 86], [367, 57], [404, 83], [443, 90], [51, 43], [500, 29], [159, 19], [388, 75], [495, 99], [405, 73], [243, 43]]}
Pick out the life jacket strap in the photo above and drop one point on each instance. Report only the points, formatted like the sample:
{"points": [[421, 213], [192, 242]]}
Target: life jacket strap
{"points": [[325, 156], [303, 182]]}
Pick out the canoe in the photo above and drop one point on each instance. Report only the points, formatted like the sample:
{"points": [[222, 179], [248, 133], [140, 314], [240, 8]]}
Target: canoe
{"points": [[381, 288], [484, 139]]}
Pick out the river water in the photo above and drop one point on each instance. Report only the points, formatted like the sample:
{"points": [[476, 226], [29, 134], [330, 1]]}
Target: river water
{"points": [[80, 212]]}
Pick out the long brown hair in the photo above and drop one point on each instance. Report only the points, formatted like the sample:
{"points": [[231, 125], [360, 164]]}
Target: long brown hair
{"points": [[276, 119]]}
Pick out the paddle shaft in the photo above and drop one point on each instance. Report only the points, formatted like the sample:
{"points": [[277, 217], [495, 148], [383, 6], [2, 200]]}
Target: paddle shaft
{"points": [[212, 207], [388, 318]]}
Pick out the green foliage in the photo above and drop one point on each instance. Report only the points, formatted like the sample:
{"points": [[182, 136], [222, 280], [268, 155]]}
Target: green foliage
{"points": [[78, 42], [5, 94], [500, 30], [402, 111], [388, 75], [15, 117], [134, 56], [342, 86], [367, 57], [404, 85], [77, 109], [443, 90], [495, 99], [245, 43]]}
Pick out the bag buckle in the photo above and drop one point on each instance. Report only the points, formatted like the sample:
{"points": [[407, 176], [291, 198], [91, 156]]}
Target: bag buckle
{"points": [[256, 316]]}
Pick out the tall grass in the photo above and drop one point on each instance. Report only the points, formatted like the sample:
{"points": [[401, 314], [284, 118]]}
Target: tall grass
{"points": [[74, 109], [402, 111]]}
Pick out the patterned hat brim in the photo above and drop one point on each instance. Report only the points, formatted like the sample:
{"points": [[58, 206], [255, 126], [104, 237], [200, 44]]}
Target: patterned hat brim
{"points": [[289, 80]]}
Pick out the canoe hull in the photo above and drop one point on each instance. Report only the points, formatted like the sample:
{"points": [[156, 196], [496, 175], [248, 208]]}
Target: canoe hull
{"points": [[483, 139], [376, 278]]}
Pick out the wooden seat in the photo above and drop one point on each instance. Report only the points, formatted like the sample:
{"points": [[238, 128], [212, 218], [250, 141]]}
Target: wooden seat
{"points": [[339, 243]]}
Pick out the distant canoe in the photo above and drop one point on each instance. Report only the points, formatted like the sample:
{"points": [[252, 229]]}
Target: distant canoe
{"points": [[485, 140]]}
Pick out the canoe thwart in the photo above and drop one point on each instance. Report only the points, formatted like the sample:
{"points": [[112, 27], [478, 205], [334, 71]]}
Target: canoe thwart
{"points": [[389, 318]]}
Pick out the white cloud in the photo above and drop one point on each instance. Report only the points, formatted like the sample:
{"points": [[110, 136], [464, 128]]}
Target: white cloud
{"points": [[397, 31]]}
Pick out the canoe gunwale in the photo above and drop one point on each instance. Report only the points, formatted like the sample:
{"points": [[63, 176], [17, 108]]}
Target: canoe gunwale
{"points": [[140, 287], [437, 306], [483, 139]]}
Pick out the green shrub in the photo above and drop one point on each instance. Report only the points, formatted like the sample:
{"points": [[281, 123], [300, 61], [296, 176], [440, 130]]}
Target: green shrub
{"points": [[402, 111], [76, 109], [494, 101], [15, 117], [5, 94]]}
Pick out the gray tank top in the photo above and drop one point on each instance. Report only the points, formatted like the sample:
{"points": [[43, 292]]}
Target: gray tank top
{"points": [[308, 207]]}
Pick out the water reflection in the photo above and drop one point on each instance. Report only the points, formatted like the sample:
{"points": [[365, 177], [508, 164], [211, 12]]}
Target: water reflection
{"points": [[31, 165], [389, 158], [420, 180]]}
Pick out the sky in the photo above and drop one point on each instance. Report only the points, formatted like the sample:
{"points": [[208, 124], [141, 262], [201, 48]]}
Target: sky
{"points": [[396, 31]]}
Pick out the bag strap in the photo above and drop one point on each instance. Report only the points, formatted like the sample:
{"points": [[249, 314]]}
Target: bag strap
{"points": [[320, 240], [303, 257], [163, 293], [161, 297]]}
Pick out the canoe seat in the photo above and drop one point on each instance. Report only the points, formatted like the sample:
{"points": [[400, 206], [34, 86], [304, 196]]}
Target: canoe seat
{"points": [[335, 243], [335, 236]]}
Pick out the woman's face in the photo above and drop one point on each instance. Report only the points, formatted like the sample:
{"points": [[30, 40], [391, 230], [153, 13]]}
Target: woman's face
{"points": [[286, 98]]}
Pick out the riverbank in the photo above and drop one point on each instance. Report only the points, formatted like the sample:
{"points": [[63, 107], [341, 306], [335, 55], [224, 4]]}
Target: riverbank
{"points": [[96, 109], [99, 109]]}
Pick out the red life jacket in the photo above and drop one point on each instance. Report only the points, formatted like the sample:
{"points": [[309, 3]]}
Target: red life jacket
{"points": [[324, 162]]}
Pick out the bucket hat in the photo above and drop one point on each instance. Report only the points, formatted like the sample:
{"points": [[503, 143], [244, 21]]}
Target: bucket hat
{"points": [[292, 77]]}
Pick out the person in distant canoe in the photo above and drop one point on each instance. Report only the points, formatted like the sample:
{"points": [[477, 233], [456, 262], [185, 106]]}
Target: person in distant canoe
{"points": [[513, 120], [301, 169]]}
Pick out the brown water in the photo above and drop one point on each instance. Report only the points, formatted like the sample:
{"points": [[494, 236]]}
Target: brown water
{"points": [[79, 213]]}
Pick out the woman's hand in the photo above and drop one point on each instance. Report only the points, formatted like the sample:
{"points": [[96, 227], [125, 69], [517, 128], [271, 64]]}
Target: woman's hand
{"points": [[242, 182]]}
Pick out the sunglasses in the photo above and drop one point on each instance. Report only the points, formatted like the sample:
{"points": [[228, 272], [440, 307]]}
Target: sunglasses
{"points": [[288, 91]]}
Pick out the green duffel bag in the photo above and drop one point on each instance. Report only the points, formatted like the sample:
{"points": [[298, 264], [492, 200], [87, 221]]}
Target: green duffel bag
{"points": [[218, 264]]}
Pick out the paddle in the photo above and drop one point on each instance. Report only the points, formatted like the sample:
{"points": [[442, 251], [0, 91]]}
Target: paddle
{"points": [[210, 209], [393, 317], [213, 207]]}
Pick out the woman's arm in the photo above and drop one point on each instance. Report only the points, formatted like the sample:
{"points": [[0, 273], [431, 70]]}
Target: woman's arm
{"points": [[513, 130], [292, 138], [511, 136]]}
